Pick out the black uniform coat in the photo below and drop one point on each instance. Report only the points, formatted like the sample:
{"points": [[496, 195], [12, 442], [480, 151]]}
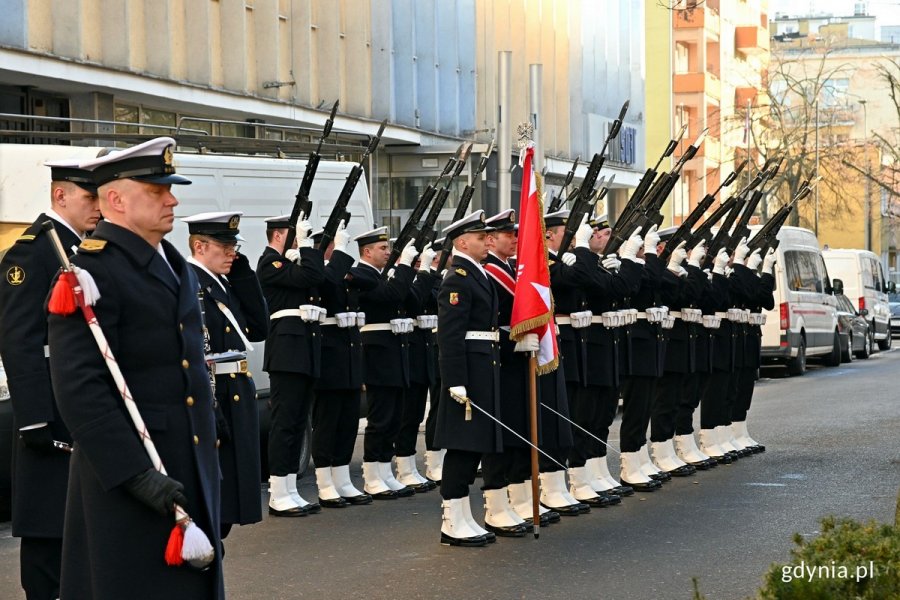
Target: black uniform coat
{"points": [[467, 301], [602, 342], [679, 293], [341, 346], [422, 348], [758, 298], [292, 345], [235, 392], [646, 342], [113, 544], [711, 296], [722, 346], [38, 481], [513, 365], [385, 354]]}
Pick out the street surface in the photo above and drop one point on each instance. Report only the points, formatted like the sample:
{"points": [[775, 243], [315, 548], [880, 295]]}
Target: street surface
{"points": [[832, 448]]}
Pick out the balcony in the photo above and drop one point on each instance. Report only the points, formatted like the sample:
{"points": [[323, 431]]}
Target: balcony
{"points": [[742, 95], [700, 17], [751, 39], [698, 83]]}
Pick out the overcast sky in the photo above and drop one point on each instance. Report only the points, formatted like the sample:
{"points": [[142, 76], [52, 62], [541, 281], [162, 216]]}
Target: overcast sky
{"points": [[887, 12]]}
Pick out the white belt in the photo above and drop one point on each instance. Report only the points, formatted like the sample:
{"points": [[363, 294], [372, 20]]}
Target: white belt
{"points": [[328, 321], [236, 366], [562, 320], [375, 327], [722, 315], [675, 313], [47, 351], [491, 336], [287, 312]]}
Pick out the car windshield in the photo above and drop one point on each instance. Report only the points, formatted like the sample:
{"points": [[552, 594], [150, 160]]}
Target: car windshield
{"points": [[895, 309]]}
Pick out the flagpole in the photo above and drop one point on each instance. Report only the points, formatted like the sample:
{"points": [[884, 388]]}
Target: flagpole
{"points": [[532, 409]]}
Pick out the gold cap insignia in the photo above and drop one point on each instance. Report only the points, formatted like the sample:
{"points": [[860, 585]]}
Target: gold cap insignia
{"points": [[15, 276], [233, 222], [167, 156]]}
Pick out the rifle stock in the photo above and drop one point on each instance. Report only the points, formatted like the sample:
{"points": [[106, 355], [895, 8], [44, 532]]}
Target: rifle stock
{"points": [[426, 231]]}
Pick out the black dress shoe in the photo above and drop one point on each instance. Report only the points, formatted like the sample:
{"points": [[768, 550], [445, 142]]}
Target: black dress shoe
{"points": [[385, 495], [551, 516], [507, 531], [711, 462], [597, 501], [612, 498], [744, 452], [313, 507], [573, 510], [683, 471], [650, 486], [405, 492], [361, 499], [421, 488], [490, 536], [296, 511], [723, 460], [733, 454], [758, 448], [470, 542], [623, 490], [661, 477], [700, 466], [334, 502]]}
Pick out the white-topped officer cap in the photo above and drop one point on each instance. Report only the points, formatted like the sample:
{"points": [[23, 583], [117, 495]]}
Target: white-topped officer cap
{"points": [[150, 162], [473, 223], [279, 222], [68, 170], [221, 225], [557, 218], [503, 221], [379, 234]]}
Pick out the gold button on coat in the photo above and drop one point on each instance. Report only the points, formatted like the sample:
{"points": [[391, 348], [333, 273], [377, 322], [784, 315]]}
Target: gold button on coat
{"points": [[185, 364], [196, 440], [190, 400]]}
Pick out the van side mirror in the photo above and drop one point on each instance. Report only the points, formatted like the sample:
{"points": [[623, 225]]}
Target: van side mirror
{"points": [[891, 287], [863, 312], [837, 287]]}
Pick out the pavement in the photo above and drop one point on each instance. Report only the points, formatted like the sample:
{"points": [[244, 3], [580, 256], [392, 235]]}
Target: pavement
{"points": [[832, 449]]}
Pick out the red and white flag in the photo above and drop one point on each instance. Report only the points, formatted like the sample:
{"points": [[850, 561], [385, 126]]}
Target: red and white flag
{"points": [[532, 310]]}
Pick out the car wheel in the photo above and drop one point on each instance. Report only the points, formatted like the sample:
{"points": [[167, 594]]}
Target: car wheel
{"points": [[834, 358], [797, 365], [885, 344], [866, 352], [847, 355]]}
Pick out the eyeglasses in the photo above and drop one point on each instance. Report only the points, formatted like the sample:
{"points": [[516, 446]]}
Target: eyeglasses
{"points": [[226, 247]]}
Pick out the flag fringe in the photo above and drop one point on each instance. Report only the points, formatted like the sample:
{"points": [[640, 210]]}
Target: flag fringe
{"points": [[520, 329], [549, 367]]}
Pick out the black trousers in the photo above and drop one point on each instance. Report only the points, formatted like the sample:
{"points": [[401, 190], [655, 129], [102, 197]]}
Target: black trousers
{"points": [[291, 396], [607, 398], [583, 408], [669, 390], [746, 380], [385, 406], [715, 409], [519, 464], [495, 468], [460, 469], [335, 423], [559, 455], [688, 403], [39, 566], [434, 397], [411, 414], [638, 397]]}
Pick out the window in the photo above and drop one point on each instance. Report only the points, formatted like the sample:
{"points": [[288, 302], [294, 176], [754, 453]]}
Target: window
{"points": [[834, 92], [802, 271]]}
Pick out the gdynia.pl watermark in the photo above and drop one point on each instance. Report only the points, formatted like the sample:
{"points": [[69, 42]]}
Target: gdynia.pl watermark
{"points": [[832, 571]]}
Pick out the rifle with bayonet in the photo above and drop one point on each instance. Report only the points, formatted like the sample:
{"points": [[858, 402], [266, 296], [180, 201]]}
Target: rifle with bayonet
{"points": [[683, 233], [649, 176], [339, 211], [645, 212], [585, 196], [302, 204], [557, 203], [742, 227], [766, 237], [410, 229], [426, 231], [464, 200]]}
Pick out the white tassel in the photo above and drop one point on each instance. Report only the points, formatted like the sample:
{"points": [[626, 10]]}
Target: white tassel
{"points": [[88, 286], [196, 549]]}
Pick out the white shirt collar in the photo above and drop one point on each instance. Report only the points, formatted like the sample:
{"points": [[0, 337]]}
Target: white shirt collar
{"points": [[194, 261], [57, 217], [504, 261], [471, 260], [362, 261]]}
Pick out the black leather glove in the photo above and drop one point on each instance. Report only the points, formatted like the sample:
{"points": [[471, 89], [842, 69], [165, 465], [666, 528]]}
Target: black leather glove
{"points": [[159, 492], [223, 431], [240, 264], [38, 440]]}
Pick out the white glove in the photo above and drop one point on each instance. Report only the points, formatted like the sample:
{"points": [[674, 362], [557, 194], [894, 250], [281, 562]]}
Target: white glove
{"points": [[631, 246], [528, 343], [458, 393], [408, 254], [303, 230], [769, 261], [720, 262], [753, 260], [568, 258], [741, 252], [728, 271], [698, 253], [651, 240], [341, 237], [611, 263], [293, 255], [676, 258], [426, 258], [584, 233]]}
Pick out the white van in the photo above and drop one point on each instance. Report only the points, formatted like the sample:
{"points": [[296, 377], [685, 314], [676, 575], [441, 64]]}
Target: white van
{"points": [[803, 323], [864, 283]]}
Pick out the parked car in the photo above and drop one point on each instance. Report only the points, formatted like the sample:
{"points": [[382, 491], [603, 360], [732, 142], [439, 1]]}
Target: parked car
{"points": [[6, 446], [854, 329], [865, 284], [895, 317]]}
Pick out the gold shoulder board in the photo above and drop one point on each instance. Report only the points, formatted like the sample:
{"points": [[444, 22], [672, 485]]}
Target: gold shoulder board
{"points": [[461, 271], [92, 245], [26, 237]]}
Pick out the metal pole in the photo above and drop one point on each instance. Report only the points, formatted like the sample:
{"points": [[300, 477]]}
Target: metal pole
{"points": [[504, 132], [533, 414], [817, 168], [867, 201], [535, 72]]}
